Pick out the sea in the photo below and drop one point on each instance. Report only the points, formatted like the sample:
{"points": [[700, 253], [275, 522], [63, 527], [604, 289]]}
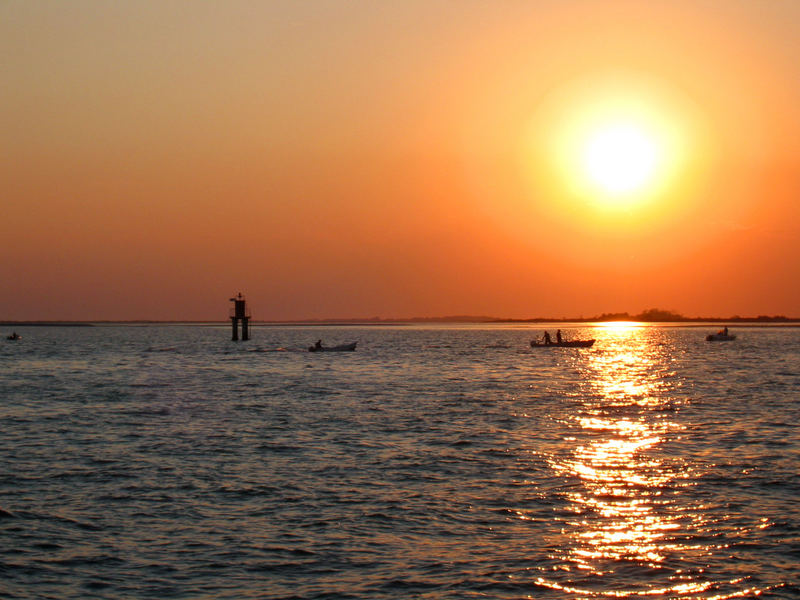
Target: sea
{"points": [[434, 462]]}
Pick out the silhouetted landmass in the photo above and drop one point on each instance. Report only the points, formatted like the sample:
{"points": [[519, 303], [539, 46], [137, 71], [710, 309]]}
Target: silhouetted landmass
{"points": [[657, 315], [45, 324], [651, 315], [451, 319]]}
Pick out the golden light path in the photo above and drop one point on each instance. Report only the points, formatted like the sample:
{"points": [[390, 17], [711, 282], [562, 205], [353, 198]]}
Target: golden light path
{"points": [[628, 513]]}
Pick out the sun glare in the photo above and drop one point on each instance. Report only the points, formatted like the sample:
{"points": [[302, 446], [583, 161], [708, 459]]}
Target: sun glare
{"points": [[620, 158], [615, 143]]}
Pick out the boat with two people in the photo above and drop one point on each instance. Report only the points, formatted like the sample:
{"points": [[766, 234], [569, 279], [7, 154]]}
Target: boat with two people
{"points": [[14, 337], [318, 347], [547, 342], [721, 336]]}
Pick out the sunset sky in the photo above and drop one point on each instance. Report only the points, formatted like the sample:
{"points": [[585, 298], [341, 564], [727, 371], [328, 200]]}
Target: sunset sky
{"points": [[398, 159]]}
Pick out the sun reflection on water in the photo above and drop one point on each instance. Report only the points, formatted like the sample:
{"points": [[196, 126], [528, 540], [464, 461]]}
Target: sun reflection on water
{"points": [[622, 487]]}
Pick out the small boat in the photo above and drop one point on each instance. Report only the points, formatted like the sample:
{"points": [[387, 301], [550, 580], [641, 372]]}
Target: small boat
{"points": [[720, 337], [340, 348], [563, 344], [14, 336]]}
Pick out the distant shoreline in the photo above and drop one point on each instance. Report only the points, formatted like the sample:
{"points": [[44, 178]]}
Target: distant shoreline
{"points": [[676, 322]]}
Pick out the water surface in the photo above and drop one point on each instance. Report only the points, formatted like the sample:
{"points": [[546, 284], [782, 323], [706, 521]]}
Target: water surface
{"points": [[433, 462]]}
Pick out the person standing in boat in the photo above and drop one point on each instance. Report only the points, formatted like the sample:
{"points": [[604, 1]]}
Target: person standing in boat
{"points": [[725, 330], [558, 336], [547, 340]]}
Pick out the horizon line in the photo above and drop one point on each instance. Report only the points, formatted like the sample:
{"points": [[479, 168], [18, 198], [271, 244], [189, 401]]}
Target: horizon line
{"points": [[604, 318]]}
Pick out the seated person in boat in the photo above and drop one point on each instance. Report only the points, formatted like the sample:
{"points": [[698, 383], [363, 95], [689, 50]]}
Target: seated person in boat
{"points": [[318, 345], [547, 340]]}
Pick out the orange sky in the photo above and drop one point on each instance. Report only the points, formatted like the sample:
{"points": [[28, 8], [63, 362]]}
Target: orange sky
{"points": [[357, 159]]}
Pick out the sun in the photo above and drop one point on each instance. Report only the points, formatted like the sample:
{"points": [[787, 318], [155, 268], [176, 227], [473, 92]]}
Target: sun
{"points": [[620, 158], [614, 148]]}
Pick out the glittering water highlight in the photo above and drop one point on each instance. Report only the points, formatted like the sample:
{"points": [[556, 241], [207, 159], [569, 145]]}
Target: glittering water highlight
{"points": [[433, 462]]}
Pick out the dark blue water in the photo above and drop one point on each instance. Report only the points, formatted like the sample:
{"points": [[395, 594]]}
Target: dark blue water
{"points": [[439, 462]]}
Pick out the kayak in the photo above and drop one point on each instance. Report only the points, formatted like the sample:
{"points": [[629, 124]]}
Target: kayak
{"points": [[719, 337], [340, 348], [563, 344]]}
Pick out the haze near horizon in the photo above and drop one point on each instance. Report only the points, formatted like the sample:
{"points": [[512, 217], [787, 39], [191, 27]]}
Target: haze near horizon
{"points": [[335, 159]]}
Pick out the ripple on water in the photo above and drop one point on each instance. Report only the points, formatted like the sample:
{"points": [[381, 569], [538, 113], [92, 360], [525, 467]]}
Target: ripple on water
{"points": [[161, 462]]}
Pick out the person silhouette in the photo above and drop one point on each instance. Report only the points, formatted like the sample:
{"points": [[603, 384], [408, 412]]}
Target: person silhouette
{"points": [[547, 340], [558, 336]]}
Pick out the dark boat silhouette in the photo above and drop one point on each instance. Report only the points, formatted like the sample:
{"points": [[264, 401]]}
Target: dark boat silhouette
{"points": [[563, 344], [340, 348], [720, 337]]}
